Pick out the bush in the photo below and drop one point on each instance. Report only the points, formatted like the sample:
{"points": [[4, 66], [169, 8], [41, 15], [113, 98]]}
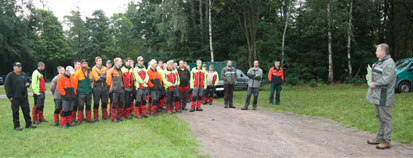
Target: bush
{"points": [[293, 81], [356, 80], [313, 83]]}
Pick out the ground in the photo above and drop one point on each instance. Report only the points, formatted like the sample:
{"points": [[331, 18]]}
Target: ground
{"points": [[235, 133], [340, 123]]}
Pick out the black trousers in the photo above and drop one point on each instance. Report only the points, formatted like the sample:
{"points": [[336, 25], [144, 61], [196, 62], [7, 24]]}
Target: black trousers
{"points": [[39, 101], [209, 91], [83, 99], [24, 104], [118, 97], [255, 92], [129, 96], [229, 93], [100, 94]]}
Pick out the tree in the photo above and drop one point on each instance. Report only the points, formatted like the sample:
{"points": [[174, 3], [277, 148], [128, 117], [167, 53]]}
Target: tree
{"points": [[210, 31], [77, 31], [51, 46], [330, 51], [350, 69]]}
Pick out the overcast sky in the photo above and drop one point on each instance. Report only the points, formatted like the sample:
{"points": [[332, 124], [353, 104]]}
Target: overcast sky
{"points": [[61, 8]]}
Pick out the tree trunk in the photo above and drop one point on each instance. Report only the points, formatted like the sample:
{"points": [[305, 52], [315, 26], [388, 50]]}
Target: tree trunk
{"points": [[210, 31], [193, 12], [350, 16], [284, 33], [330, 52], [201, 21]]}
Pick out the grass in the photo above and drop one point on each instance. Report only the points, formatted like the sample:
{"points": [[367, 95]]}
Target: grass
{"points": [[163, 136], [344, 103]]}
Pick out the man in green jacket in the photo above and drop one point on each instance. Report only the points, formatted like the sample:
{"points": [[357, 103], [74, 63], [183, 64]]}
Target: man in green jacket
{"points": [[381, 94], [38, 86], [229, 75]]}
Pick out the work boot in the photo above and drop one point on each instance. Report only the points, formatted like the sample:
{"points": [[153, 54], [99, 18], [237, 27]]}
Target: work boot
{"points": [[155, 115], [104, 113], [374, 141], [232, 106], [65, 126], [56, 118], [226, 106], [31, 126], [115, 121], [179, 110], [244, 108], [41, 117], [96, 114], [383, 145], [254, 108], [18, 129], [199, 109], [192, 110], [56, 124]]}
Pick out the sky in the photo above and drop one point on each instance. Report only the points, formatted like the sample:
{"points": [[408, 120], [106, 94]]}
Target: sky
{"points": [[62, 8]]}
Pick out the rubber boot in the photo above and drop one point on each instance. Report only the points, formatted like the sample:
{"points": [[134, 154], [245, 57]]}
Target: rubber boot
{"points": [[41, 117], [113, 114], [193, 106], [96, 114], [74, 115], [80, 116], [105, 113], [63, 121], [198, 105], [89, 116], [143, 110], [177, 106], [211, 99], [56, 118]]}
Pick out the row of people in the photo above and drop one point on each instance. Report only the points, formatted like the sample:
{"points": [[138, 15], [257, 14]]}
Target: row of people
{"points": [[131, 89]]}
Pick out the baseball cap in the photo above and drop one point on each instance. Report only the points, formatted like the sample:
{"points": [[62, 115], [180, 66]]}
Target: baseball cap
{"points": [[17, 63]]}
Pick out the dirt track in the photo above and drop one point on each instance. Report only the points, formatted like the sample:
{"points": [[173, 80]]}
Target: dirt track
{"points": [[232, 133]]}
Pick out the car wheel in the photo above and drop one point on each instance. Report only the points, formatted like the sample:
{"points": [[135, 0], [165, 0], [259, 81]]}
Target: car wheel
{"points": [[404, 87], [220, 94]]}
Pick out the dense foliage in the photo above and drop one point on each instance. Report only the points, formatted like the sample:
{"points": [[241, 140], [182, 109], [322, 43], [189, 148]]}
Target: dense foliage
{"points": [[242, 30]]}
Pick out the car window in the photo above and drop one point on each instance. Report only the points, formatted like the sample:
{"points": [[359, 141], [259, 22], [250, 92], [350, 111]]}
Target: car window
{"points": [[401, 64], [240, 73]]}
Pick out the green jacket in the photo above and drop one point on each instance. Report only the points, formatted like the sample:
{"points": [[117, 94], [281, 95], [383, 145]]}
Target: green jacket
{"points": [[384, 78], [38, 83]]}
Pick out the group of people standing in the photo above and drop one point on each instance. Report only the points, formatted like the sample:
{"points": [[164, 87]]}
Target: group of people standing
{"points": [[124, 92]]}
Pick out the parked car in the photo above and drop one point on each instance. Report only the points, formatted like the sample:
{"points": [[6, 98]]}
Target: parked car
{"points": [[1, 80], [404, 71], [242, 79]]}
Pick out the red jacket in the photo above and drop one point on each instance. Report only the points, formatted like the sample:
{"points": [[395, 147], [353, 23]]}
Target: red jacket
{"points": [[275, 73]]}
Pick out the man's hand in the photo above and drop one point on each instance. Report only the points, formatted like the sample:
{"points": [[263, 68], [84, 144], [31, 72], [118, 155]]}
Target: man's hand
{"points": [[372, 85], [367, 77], [11, 99], [27, 85]]}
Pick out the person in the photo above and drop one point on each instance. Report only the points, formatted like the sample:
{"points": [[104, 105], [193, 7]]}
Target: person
{"points": [[16, 91], [276, 78], [161, 70], [56, 95], [128, 82], [114, 79], [141, 84], [229, 75], [204, 101], [184, 78], [66, 86], [77, 67], [198, 84], [108, 67], [254, 83], [381, 94], [38, 86], [83, 80], [155, 87], [100, 91], [212, 81], [171, 82]]}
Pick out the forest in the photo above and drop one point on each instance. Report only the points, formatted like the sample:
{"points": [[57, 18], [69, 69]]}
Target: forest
{"points": [[328, 41]]}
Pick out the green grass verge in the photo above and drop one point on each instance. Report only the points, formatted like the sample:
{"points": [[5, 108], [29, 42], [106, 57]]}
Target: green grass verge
{"points": [[163, 136], [344, 103]]}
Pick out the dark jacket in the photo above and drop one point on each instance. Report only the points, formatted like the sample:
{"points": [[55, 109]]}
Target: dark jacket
{"points": [[229, 75], [184, 76], [15, 85]]}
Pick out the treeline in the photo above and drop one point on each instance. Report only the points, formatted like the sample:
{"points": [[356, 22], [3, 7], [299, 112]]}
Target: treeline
{"points": [[319, 40]]}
